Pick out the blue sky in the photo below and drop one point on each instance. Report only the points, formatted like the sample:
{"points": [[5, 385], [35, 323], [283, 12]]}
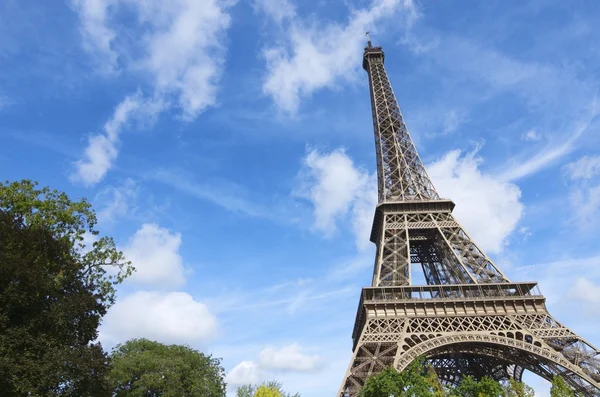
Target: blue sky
{"points": [[228, 148]]}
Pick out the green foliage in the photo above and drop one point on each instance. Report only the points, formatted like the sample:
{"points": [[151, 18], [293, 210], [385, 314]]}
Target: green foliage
{"points": [[486, 387], [415, 381], [144, 368], [245, 391], [518, 389], [560, 388], [385, 383], [419, 380], [266, 389], [53, 293]]}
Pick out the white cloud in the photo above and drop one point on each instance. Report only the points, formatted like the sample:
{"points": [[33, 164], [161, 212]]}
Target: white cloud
{"points": [[278, 10], [288, 358], [154, 252], [245, 373], [531, 135], [97, 36], [585, 201], [560, 280], [184, 51], [319, 55], [552, 152], [178, 46], [173, 317], [271, 362], [337, 188], [115, 202], [177, 51], [487, 207], [587, 292], [584, 194], [454, 118], [584, 168], [97, 159], [102, 151]]}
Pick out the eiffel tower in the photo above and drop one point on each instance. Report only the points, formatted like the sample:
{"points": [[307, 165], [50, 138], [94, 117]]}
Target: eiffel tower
{"points": [[469, 319]]}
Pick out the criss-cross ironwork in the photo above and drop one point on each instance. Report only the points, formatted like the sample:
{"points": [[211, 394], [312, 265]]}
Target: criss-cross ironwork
{"points": [[468, 319]]}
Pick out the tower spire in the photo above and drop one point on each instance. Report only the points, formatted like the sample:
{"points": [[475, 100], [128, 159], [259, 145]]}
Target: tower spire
{"points": [[400, 172]]}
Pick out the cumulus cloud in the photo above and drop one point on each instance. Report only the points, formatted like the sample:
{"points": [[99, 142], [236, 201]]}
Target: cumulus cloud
{"points": [[487, 207], [178, 55], [313, 56], [288, 358], [270, 361], [154, 252], [173, 317], [245, 373], [338, 190]]}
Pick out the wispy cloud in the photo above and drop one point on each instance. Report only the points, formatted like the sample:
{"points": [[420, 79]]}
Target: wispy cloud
{"points": [[555, 101], [178, 58], [584, 191], [5, 101], [227, 195], [102, 149], [554, 151], [313, 56], [115, 202]]}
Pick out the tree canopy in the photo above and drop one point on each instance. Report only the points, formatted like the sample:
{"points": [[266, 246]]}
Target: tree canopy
{"points": [[420, 380], [53, 292], [415, 380], [266, 389], [560, 388], [144, 368]]}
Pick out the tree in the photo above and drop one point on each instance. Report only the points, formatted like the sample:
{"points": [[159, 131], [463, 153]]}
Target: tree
{"points": [[385, 383], [414, 381], [145, 368], [486, 387], [245, 391], [420, 380], [560, 388], [53, 292], [517, 389], [266, 389]]}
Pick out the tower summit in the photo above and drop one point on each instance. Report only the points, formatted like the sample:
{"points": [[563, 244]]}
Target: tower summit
{"points": [[468, 319]]}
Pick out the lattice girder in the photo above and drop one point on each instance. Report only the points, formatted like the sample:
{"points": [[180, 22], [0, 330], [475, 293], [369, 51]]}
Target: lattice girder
{"points": [[406, 237], [500, 341], [401, 174]]}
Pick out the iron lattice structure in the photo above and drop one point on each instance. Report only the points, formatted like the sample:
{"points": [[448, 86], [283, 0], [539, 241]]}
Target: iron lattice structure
{"points": [[469, 319]]}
